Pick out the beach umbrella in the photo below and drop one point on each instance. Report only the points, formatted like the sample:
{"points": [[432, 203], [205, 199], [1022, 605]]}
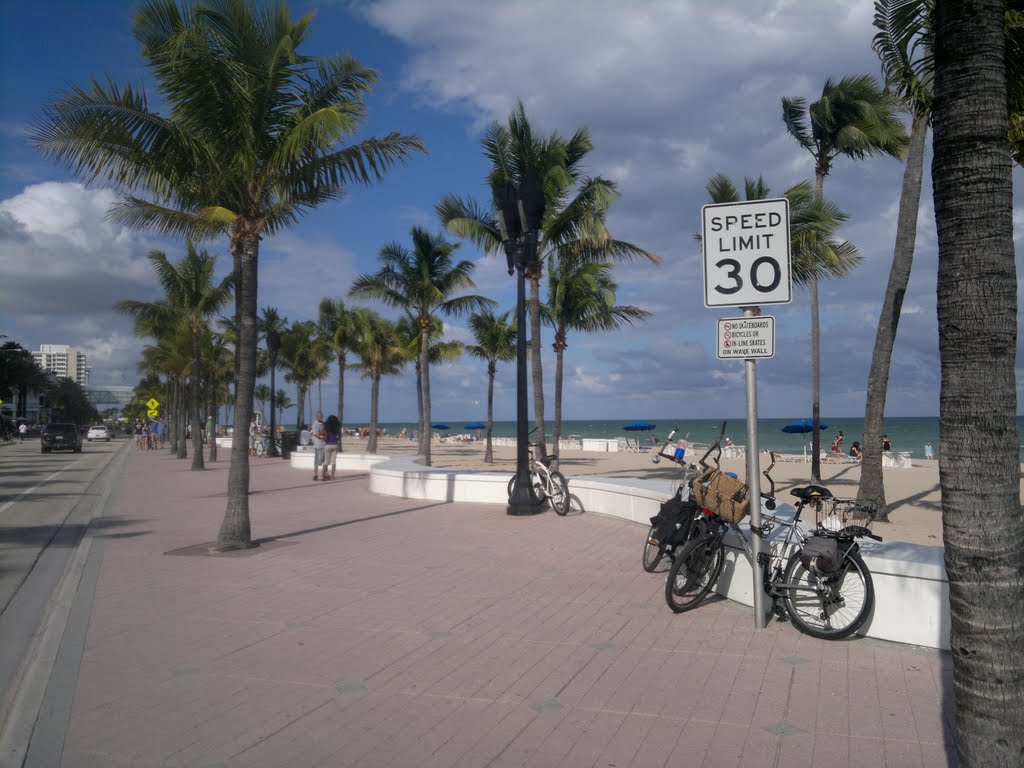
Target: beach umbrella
{"points": [[439, 426], [802, 427], [639, 426], [475, 425]]}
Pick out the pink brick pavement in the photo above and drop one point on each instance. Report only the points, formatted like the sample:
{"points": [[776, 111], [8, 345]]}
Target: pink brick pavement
{"points": [[377, 631]]}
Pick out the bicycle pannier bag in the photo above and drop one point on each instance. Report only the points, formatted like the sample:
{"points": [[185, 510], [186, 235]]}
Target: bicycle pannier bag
{"points": [[722, 494], [820, 554], [674, 519]]}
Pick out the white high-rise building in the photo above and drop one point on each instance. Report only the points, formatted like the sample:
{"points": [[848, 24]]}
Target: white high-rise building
{"points": [[63, 361]]}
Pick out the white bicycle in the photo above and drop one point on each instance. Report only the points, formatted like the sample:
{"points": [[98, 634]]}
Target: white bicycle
{"points": [[547, 483]]}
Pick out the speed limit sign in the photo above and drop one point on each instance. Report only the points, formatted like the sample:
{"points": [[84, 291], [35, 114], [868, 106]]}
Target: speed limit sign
{"points": [[746, 253]]}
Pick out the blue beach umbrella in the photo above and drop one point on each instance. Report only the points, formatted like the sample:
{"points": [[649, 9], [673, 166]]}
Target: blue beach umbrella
{"points": [[475, 425], [639, 426], [802, 427], [439, 426]]}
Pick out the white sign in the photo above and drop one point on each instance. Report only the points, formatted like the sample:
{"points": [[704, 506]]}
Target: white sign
{"points": [[746, 337], [746, 253]]}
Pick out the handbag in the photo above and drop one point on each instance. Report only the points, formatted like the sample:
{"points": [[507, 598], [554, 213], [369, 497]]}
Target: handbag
{"points": [[722, 494]]}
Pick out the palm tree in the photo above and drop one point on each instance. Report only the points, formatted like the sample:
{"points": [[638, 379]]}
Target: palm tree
{"points": [[262, 394], [408, 334], [218, 367], [424, 282], [253, 138], [854, 118], [271, 326], [572, 223], [302, 356], [191, 297], [581, 297], [380, 354], [978, 316], [20, 374], [336, 325], [495, 342], [282, 402]]}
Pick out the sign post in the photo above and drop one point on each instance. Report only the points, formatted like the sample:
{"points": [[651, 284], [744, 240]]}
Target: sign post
{"points": [[747, 263]]}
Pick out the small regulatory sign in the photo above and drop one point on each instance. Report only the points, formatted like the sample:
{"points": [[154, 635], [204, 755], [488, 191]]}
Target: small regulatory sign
{"points": [[746, 337]]}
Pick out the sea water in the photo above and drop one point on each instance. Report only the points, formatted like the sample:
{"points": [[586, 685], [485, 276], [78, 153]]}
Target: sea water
{"points": [[908, 433]]}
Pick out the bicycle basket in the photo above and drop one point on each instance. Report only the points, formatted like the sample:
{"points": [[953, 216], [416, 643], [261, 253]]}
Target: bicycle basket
{"points": [[722, 494], [833, 515]]}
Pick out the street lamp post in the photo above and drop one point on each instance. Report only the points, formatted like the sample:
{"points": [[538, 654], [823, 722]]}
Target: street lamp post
{"points": [[520, 210], [273, 345]]}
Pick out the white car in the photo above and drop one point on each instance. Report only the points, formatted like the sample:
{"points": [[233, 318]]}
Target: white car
{"points": [[98, 432]]}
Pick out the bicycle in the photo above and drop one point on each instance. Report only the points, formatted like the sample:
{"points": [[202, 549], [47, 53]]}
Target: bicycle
{"points": [[671, 527], [825, 588], [547, 483]]}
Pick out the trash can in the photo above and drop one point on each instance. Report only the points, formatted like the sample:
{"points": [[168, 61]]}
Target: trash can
{"points": [[288, 443]]}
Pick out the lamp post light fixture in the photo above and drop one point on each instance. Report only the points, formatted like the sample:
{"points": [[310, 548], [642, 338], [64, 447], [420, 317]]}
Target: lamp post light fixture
{"points": [[273, 345], [520, 210]]}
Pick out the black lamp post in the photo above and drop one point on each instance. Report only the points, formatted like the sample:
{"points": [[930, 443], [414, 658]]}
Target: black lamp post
{"points": [[520, 210], [273, 345]]}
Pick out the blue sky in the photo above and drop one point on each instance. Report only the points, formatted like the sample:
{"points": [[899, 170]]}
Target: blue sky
{"points": [[672, 92]]}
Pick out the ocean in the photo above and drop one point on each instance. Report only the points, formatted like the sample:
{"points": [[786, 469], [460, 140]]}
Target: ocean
{"points": [[905, 433]]}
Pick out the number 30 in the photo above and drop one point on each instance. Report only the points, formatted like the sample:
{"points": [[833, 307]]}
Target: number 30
{"points": [[732, 268]]}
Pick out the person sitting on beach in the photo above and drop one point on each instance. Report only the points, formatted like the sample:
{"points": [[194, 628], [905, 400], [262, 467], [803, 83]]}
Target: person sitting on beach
{"points": [[886, 445], [855, 451]]}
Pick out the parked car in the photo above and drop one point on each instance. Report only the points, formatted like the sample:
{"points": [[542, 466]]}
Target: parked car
{"points": [[98, 432], [61, 437]]}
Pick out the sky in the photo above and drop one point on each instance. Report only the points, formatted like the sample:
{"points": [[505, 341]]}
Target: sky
{"points": [[671, 91]]}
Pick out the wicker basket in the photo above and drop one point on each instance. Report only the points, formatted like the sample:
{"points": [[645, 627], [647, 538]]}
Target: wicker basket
{"points": [[722, 494], [833, 515]]}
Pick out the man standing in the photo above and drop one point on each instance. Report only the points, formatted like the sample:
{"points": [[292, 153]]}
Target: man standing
{"points": [[318, 433]]}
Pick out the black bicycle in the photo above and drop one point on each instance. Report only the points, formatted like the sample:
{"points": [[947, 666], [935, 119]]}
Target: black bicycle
{"points": [[671, 527]]}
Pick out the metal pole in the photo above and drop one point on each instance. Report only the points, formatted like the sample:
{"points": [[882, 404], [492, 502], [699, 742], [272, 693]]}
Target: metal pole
{"points": [[754, 483], [522, 500]]}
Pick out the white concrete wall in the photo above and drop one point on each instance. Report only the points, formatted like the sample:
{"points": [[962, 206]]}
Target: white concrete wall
{"points": [[911, 592]]}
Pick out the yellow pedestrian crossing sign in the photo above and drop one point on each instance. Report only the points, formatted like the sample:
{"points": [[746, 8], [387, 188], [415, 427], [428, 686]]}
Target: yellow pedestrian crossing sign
{"points": [[152, 404], [152, 412]]}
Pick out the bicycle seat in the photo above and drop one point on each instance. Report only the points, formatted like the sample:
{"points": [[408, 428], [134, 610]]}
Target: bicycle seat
{"points": [[546, 460], [809, 492]]}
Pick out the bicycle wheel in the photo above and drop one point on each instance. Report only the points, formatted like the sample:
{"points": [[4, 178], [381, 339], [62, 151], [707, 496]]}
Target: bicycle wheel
{"points": [[538, 486], [829, 606], [559, 493], [693, 573], [653, 553]]}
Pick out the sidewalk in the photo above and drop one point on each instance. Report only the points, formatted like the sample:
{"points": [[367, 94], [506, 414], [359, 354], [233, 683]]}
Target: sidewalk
{"points": [[378, 631]]}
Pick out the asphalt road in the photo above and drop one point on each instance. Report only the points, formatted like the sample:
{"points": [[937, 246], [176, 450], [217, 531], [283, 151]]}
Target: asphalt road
{"points": [[47, 501]]}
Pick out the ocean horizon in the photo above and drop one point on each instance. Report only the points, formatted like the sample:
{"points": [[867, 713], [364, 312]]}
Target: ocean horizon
{"points": [[907, 433]]}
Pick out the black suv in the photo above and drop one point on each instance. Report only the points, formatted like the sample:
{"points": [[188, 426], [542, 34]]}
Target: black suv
{"points": [[61, 437]]}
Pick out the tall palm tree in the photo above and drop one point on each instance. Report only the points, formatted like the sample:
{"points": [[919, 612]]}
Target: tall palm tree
{"points": [[978, 316], [282, 402], [218, 367], [271, 326], [262, 394], [495, 343], [853, 118], [380, 354], [424, 282], [581, 297], [302, 356], [573, 220], [337, 326], [192, 297], [253, 138], [20, 374], [408, 332]]}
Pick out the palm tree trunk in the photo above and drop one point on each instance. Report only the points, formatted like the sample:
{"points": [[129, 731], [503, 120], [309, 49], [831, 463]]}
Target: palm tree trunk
{"points": [[341, 399], [812, 284], [274, 447], [979, 469], [871, 485], [300, 408], [489, 449], [212, 437], [235, 531], [425, 363], [536, 370], [181, 415], [371, 445], [194, 390], [424, 431]]}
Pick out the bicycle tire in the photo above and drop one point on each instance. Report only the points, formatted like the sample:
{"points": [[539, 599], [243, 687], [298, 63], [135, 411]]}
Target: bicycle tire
{"points": [[559, 495], [653, 553], [694, 571], [538, 487], [841, 603]]}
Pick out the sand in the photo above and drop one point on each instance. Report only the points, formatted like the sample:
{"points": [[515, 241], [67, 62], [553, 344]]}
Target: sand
{"points": [[914, 502]]}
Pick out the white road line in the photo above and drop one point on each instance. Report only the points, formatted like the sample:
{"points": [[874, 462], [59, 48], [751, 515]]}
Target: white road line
{"points": [[40, 484]]}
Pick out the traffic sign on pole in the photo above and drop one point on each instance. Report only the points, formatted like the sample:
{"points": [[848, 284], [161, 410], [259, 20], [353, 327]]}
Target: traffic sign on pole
{"points": [[153, 412], [746, 337], [152, 403], [747, 258]]}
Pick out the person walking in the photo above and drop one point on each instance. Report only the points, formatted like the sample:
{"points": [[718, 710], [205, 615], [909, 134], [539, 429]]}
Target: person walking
{"points": [[316, 432], [22, 431], [332, 438]]}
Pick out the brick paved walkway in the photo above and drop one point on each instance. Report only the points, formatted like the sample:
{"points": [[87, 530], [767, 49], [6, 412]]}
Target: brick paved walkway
{"points": [[376, 631]]}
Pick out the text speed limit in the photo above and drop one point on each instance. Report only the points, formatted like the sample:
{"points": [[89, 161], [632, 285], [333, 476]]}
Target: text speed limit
{"points": [[746, 253]]}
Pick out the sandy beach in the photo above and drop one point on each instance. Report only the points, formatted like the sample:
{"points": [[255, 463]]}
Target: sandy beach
{"points": [[912, 494]]}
